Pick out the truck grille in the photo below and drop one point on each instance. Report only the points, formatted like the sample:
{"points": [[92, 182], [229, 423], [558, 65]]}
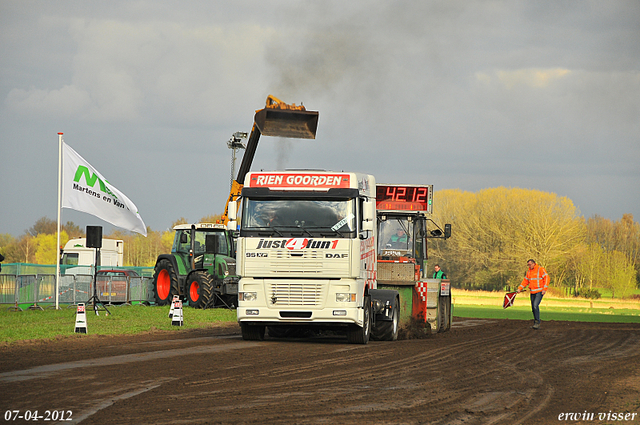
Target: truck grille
{"points": [[297, 254], [299, 263], [308, 294]]}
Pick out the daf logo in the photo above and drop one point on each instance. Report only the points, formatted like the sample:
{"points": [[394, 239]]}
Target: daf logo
{"points": [[331, 255], [273, 299]]}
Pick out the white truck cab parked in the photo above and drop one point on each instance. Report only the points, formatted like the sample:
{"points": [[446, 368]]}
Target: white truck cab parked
{"points": [[76, 253]]}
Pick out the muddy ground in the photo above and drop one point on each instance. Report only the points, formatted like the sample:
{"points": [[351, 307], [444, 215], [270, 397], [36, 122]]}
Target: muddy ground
{"points": [[481, 372]]}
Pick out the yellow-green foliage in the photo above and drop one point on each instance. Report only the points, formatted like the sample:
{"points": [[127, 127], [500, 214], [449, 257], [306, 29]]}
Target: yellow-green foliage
{"points": [[46, 251], [496, 230]]}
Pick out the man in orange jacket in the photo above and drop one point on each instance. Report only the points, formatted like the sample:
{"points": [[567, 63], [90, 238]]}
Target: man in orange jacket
{"points": [[537, 279]]}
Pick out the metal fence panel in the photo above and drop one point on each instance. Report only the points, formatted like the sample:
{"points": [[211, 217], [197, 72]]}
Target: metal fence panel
{"points": [[73, 289], [83, 289], [140, 289], [66, 289], [112, 289], [7, 289], [27, 288], [46, 288]]}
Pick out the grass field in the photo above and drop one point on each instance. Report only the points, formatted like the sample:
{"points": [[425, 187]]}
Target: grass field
{"points": [[50, 323], [488, 305]]}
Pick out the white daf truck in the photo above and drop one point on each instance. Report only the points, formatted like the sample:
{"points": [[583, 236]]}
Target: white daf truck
{"points": [[307, 256]]}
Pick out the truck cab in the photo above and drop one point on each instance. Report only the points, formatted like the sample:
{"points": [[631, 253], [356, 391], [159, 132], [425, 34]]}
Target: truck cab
{"points": [[307, 253], [76, 258]]}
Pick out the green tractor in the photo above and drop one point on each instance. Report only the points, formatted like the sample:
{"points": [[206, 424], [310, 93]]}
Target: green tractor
{"points": [[201, 268]]}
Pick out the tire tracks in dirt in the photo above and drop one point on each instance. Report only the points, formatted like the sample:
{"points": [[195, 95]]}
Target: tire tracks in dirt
{"points": [[435, 358], [497, 372]]}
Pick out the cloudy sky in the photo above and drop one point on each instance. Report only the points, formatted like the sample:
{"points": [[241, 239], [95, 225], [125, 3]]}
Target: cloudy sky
{"points": [[459, 94]]}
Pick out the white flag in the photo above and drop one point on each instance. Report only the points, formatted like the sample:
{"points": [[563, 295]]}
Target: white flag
{"points": [[85, 189]]}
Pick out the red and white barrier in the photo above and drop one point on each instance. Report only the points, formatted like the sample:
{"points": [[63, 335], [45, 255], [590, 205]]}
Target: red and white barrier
{"points": [[177, 319], [81, 319]]}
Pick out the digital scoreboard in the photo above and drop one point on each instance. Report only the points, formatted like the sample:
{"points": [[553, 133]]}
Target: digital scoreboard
{"points": [[402, 197]]}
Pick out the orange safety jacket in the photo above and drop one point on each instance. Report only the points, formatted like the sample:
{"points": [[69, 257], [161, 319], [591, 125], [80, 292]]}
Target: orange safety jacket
{"points": [[536, 279]]}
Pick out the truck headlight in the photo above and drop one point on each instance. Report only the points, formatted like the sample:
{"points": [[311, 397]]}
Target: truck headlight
{"points": [[247, 296], [342, 297]]}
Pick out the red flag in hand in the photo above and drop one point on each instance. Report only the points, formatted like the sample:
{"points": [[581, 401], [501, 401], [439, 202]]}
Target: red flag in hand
{"points": [[509, 299]]}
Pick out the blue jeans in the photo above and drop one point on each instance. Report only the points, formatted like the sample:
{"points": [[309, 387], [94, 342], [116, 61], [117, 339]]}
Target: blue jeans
{"points": [[535, 305]]}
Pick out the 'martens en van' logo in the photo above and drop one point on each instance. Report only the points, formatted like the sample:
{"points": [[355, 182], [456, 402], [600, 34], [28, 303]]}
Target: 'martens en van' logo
{"points": [[91, 179]]}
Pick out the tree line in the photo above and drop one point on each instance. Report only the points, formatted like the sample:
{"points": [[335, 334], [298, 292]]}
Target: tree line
{"points": [[495, 232], [38, 243]]}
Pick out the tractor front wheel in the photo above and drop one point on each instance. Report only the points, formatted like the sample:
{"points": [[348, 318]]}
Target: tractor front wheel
{"points": [[199, 289]]}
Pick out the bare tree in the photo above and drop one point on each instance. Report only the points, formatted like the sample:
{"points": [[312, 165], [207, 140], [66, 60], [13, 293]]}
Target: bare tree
{"points": [[44, 226]]}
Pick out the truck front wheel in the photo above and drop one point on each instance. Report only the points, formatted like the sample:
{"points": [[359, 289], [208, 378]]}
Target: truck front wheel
{"points": [[165, 283], [252, 332], [387, 331], [360, 334], [199, 289]]}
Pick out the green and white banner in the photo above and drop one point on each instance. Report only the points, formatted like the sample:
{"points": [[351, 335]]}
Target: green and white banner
{"points": [[85, 189]]}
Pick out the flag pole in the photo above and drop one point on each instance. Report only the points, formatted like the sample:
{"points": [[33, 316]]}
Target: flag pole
{"points": [[59, 208]]}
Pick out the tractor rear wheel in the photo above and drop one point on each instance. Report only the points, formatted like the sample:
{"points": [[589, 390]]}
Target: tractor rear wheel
{"points": [[444, 313], [165, 282], [199, 289]]}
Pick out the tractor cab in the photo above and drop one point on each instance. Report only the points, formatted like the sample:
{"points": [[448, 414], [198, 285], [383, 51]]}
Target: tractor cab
{"points": [[401, 245]]}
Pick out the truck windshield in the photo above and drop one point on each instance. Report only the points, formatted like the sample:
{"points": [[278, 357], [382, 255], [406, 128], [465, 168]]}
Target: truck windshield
{"points": [[69, 259], [299, 217]]}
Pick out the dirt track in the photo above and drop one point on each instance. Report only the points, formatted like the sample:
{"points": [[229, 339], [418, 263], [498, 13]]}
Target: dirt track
{"points": [[483, 371]]}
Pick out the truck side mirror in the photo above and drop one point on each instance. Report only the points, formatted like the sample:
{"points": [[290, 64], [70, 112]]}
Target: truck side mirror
{"points": [[232, 215], [211, 243], [368, 217], [368, 211], [232, 211], [447, 231]]}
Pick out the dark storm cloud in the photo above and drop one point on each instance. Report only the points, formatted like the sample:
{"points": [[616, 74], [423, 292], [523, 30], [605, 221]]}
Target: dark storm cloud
{"points": [[462, 94]]}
